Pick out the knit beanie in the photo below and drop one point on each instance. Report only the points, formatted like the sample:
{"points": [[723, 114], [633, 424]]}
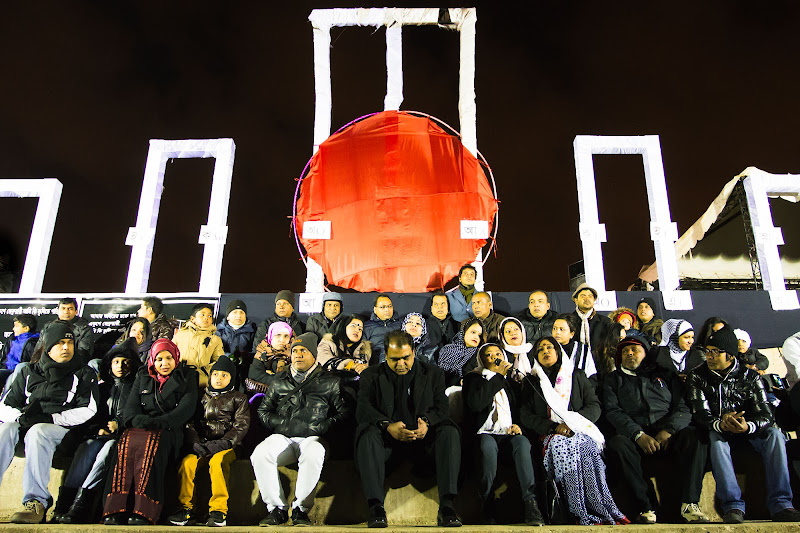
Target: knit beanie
{"points": [[649, 301], [724, 339], [331, 297], [307, 340], [224, 364], [234, 305], [55, 332], [285, 295]]}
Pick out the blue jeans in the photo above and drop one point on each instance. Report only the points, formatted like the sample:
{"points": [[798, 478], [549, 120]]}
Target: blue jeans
{"points": [[40, 443], [89, 464], [770, 444]]}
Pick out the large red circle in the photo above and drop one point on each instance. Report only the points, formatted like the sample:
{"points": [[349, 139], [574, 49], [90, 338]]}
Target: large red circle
{"points": [[395, 188]]}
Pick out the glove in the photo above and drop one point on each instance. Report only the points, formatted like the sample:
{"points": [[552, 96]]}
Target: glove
{"points": [[216, 446], [156, 423], [28, 420], [199, 450], [34, 408], [140, 421]]}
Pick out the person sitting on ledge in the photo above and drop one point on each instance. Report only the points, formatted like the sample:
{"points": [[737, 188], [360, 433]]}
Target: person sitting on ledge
{"points": [[591, 326], [383, 320], [483, 308], [237, 334], [197, 340], [440, 323], [402, 410], [18, 348], [51, 397], [537, 318], [84, 335], [321, 323], [284, 312], [345, 348], [161, 327], [729, 401], [301, 406], [271, 359], [460, 296], [140, 331]]}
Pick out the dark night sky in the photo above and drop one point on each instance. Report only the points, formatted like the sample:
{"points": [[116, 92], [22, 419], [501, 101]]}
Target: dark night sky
{"points": [[86, 85]]}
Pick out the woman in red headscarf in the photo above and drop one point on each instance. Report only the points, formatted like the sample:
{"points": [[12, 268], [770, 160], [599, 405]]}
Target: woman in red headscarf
{"points": [[161, 402]]}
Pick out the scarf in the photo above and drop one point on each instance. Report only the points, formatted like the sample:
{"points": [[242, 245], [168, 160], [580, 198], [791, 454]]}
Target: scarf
{"points": [[453, 357], [417, 340], [522, 363], [580, 355], [57, 371], [159, 346], [467, 292], [671, 331], [557, 396], [403, 410], [585, 336], [301, 376]]}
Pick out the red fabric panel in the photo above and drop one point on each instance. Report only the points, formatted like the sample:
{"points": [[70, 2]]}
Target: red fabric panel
{"points": [[395, 188]]}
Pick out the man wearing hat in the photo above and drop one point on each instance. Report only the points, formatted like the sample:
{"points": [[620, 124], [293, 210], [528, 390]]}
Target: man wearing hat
{"points": [[593, 325], [284, 312], [301, 405], [643, 403], [729, 401], [237, 333], [321, 323], [56, 393]]}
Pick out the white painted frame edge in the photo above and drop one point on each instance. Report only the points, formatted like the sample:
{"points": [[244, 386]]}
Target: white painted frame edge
{"points": [[142, 237], [48, 190]]}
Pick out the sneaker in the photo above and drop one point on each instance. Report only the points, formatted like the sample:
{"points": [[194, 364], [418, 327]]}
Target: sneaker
{"points": [[734, 516], [692, 514], [377, 517], [790, 514], [216, 519], [646, 517], [184, 517], [275, 517], [300, 518], [33, 513], [533, 517]]}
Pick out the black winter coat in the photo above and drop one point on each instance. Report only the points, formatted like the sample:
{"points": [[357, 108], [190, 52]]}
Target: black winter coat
{"points": [[741, 389], [754, 357], [478, 396], [313, 410], [175, 404], [535, 413], [598, 326], [319, 325], [263, 327], [651, 401], [536, 328], [694, 358]]}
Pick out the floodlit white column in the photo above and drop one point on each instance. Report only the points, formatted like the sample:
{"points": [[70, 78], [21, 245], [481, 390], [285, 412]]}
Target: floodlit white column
{"points": [[663, 231], [48, 190], [213, 234], [759, 186]]}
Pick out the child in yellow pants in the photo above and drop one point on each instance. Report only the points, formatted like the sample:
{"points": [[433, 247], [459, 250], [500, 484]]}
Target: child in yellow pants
{"points": [[213, 439]]}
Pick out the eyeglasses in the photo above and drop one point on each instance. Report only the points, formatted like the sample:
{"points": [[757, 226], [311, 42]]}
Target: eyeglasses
{"points": [[390, 306], [711, 352]]}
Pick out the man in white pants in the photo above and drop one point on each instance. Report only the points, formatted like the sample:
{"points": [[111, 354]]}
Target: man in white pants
{"points": [[300, 406]]}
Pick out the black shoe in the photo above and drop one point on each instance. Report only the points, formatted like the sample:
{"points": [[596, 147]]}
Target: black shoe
{"points": [[116, 519], [216, 519], [66, 497], [734, 516], [790, 514], [300, 518], [487, 512], [447, 517], [137, 520], [377, 517], [275, 517], [184, 517], [533, 517], [81, 508]]}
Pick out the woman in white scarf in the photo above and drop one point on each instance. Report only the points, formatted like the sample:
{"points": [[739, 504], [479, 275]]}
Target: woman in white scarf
{"points": [[675, 352], [513, 335], [561, 406]]}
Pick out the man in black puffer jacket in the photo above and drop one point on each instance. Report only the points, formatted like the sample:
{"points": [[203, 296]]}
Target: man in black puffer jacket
{"points": [[729, 401], [301, 405], [45, 401], [644, 405]]}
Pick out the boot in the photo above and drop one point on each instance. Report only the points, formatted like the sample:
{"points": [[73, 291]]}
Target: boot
{"points": [[66, 496], [82, 509]]}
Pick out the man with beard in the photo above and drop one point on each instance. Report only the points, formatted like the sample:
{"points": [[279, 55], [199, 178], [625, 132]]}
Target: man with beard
{"points": [[593, 325], [460, 297], [644, 404]]}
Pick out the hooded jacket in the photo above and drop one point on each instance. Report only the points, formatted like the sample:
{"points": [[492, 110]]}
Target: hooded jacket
{"points": [[754, 357], [28, 342], [737, 388], [237, 342], [226, 416], [199, 347], [649, 401]]}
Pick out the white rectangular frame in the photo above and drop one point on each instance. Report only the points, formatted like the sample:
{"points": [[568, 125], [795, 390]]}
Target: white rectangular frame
{"points": [[759, 186], [322, 20], [212, 235], [663, 231], [48, 190]]}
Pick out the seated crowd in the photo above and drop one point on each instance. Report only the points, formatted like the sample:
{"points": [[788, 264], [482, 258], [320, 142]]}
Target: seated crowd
{"points": [[556, 396]]}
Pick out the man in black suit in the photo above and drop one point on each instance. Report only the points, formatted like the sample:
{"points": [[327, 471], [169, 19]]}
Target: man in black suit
{"points": [[402, 409]]}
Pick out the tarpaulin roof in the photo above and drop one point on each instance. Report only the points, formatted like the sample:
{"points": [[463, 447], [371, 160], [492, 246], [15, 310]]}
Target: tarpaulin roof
{"points": [[395, 188]]}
